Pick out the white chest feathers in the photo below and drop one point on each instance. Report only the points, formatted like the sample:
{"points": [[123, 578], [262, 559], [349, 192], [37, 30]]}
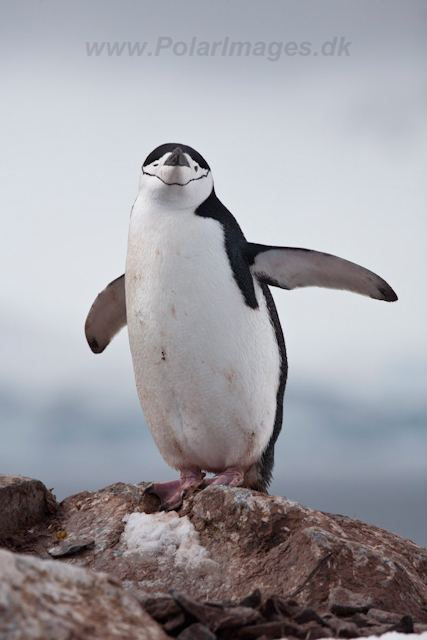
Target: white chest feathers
{"points": [[207, 366]]}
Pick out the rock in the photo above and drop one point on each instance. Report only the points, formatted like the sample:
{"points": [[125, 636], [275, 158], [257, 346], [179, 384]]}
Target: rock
{"points": [[228, 542], [252, 600], [26, 502], [384, 617], [308, 615], [49, 600], [342, 628], [215, 617], [161, 608], [405, 625], [196, 631], [347, 630], [376, 630], [362, 620], [343, 602], [271, 618], [64, 550]]}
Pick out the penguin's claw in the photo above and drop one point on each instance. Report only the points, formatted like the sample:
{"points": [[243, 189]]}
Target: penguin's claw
{"points": [[175, 503], [230, 477], [172, 493]]}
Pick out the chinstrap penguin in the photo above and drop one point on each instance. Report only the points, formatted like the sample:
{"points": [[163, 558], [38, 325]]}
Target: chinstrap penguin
{"points": [[206, 342]]}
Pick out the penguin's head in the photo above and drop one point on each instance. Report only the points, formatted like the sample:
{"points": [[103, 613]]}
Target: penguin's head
{"points": [[176, 176]]}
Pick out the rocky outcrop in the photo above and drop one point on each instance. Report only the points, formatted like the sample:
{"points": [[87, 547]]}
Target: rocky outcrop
{"points": [[226, 542]]}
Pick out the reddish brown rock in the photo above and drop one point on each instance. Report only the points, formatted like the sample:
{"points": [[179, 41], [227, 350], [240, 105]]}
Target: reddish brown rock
{"points": [[24, 502], [46, 599], [226, 542]]}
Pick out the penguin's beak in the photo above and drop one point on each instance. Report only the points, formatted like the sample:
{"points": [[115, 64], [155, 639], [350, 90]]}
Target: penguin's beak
{"points": [[177, 158]]}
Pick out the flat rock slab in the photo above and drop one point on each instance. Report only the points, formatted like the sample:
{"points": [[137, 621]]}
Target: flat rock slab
{"points": [[225, 542], [23, 503], [50, 600]]}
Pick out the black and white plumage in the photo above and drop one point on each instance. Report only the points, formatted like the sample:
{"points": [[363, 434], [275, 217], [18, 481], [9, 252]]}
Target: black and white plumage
{"points": [[206, 341]]}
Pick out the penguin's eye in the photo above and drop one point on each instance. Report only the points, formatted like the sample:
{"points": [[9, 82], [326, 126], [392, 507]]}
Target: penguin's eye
{"points": [[156, 164], [196, 168]]}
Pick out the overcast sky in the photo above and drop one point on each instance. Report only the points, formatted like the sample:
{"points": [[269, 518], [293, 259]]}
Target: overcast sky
{"points": [[319, 151]]}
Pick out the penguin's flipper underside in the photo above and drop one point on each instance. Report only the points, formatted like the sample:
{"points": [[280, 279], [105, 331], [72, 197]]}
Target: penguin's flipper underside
{"points": [[107, 315], [291, 268]]}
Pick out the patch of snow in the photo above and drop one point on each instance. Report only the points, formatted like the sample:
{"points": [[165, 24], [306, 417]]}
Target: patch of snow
{"points": [[165, 537]]}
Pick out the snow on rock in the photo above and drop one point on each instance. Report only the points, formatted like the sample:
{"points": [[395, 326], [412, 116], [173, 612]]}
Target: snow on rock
{"points": [[165, 537]]}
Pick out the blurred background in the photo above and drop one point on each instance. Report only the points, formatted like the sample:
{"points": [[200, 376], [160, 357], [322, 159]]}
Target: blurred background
{"points": [[320, 151]]}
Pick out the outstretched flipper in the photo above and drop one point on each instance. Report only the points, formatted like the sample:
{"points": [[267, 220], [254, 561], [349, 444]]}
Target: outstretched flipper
{"points": [[107, 315], [291, 268]]}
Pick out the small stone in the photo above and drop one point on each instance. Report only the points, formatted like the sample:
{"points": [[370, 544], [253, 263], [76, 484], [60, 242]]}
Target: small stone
{"points": [[361, 620], [214, 617], [63, 551], [384, 617], [271, 630], [405, 625], [252, 600], [308, 615], [316, 632], [175, 624], [196, 631], [332, 621], [347, 630], [160, 608], [343, 602], [277, 606], [239, 617], [375, 630]]}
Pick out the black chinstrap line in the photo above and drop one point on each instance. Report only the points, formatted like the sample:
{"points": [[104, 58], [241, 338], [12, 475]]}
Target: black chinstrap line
{"points": [[171, 184]]}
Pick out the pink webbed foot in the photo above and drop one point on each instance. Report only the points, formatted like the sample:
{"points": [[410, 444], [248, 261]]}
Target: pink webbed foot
{"points": [[172, 493], [232, 477]]}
